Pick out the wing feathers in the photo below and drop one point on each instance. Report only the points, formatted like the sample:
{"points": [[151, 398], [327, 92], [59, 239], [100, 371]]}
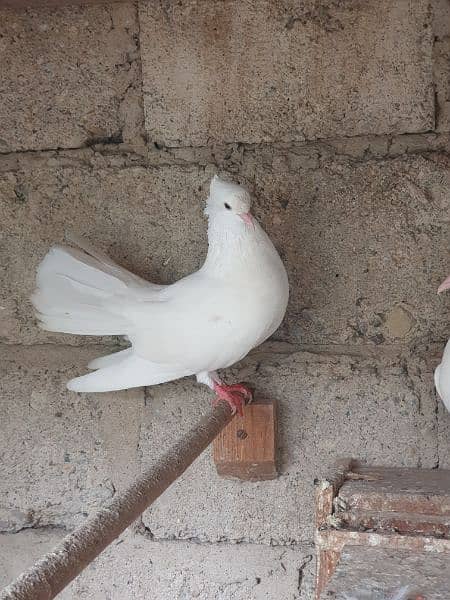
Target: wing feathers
{"points": [[109, 359], [132, 371]]}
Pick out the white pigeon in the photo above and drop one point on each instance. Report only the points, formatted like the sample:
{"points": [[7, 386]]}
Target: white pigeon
{"points": [[442, 372], [206, 321]]}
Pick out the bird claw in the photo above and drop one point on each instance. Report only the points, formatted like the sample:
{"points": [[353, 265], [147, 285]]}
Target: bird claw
{"points": [[243, 390], [234, 395]]}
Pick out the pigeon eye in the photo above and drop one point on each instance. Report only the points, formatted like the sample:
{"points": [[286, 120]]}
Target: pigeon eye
{"points": [[227, 206]]}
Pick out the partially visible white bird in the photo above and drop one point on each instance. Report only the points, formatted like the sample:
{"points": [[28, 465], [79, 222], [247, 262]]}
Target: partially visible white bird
{"points": [[206, 321], [442, 372]]}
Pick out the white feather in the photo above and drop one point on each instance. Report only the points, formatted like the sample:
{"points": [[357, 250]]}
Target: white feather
{"points": [[110, 359], [132, 371], [74, 295]]}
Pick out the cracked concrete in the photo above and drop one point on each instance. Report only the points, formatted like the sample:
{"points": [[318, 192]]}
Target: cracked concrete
{"points": [[180, 570], [348, 160]]}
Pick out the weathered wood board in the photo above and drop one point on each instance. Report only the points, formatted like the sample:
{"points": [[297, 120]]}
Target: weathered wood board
{"points": [[246, 448]]}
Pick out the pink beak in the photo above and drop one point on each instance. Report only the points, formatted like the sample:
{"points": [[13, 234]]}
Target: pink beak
{"points": [[248, 220], [444, 285]]}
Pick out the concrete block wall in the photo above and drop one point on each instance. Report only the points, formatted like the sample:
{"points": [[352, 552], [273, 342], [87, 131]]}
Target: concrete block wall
{"points": [[113, 118]]}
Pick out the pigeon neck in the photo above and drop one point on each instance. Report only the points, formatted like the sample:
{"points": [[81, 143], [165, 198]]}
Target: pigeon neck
{"points": [[227, 243]]}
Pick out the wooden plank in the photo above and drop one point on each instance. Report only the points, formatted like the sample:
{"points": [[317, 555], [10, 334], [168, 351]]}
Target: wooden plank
{"points": [[396, 522], [399, 490], [326, 563], [394, 508], [328, 486], [246, 448], [326, 489], [380, 573], [335, 539], [330, 544]]}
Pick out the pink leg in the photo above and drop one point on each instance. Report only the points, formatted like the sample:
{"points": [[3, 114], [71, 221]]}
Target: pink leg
{"points": [[243, 390], [234, 395]]}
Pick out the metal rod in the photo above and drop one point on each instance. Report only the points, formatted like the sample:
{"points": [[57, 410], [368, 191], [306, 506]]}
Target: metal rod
{"points": [[56, 569]]}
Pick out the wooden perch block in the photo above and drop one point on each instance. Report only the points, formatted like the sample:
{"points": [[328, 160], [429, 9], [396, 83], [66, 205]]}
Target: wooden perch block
{"points": [[246, 447]]}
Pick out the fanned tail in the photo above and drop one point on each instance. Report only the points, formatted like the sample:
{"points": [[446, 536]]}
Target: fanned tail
{"points": [[83, 291], [74, 295]]}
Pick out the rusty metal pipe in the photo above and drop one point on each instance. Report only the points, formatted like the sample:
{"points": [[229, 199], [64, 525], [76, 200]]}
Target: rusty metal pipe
{"points": [[56, 569]]}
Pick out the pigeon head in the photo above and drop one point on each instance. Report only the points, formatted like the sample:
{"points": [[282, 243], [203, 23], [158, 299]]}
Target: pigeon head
{"points": [[229, 201]]}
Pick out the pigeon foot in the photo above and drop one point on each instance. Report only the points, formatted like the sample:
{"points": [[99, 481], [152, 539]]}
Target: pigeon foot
{"points": [[243, 390], [235, 395]]}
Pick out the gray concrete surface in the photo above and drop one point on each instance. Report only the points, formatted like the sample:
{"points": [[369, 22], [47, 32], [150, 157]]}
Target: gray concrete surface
{"points": [[69, 76], [261, 71], [62, 454], [441, 68], [390, 572], [329, 116], [183, 570]]}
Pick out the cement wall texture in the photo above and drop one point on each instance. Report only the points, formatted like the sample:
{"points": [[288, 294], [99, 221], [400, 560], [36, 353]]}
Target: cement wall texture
{"points": [[113, 119]]}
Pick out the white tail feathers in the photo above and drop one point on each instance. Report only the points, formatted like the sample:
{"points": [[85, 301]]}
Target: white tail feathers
{"points": [[82, 291], [103, 262], [76, 294]]}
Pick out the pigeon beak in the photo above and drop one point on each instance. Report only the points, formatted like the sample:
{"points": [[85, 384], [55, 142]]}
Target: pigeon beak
{"points": [[248, 220], [445, 285]]}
